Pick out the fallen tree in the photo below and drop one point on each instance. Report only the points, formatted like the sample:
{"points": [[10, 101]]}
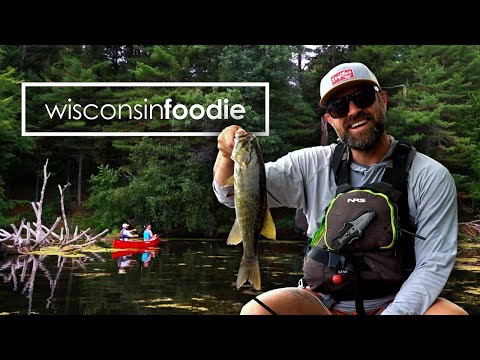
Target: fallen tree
{"points": [[29, 237]]}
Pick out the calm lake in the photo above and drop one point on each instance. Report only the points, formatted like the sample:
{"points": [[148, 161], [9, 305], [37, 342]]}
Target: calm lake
{"points": [[180, 277]]}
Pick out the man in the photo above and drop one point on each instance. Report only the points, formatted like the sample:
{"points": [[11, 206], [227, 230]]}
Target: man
{"points": [[356, 108], [126, 234]]}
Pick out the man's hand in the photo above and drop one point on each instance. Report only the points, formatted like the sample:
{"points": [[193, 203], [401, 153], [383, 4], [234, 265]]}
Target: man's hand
{"points": [[223, 168], [226, 140]]}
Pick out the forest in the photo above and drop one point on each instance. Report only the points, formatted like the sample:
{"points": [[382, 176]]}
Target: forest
{"points": [[434, 102]]}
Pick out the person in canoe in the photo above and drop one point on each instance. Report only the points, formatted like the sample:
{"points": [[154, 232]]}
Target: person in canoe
{"points": [[148, 234], [126, 234]]}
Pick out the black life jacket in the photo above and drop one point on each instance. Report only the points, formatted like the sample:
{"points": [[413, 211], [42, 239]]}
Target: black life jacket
{"points": [[364, 246], [122, 235]]}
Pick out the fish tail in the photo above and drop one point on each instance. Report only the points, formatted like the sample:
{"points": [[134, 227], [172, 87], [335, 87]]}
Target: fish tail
{"points": [[249, 270]]}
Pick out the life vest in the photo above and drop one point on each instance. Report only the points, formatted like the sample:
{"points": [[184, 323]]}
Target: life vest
{"points": [[364, 246], [122, 235]]}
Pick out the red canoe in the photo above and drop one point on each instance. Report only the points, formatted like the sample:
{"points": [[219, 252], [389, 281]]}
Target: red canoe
{"points": [[135, 244]]}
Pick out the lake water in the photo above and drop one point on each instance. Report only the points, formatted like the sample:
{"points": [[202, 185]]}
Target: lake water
{"points": [[181, 277]]}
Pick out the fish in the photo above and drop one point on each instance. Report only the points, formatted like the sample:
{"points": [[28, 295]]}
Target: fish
{"points": [[253, 218]]}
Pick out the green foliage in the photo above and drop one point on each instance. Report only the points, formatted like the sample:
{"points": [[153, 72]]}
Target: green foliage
{"points": [[288, 110], [437, 109], [163, 67], [31, 61], [13, 145], [106, 198], [166, 187]]}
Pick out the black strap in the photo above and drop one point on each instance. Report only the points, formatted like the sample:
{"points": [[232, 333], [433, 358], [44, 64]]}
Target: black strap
{"points": [[402, 158], [339, 163], [405, 155], [395, 173], [265, 306], [358, 294]]}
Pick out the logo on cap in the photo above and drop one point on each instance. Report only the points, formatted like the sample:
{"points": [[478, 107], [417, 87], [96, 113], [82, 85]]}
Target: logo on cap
{"points": [[342, 76]]}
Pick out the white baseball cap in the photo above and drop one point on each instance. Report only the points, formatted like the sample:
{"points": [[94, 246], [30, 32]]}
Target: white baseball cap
{"points": [[124, 225], [342, 75]]}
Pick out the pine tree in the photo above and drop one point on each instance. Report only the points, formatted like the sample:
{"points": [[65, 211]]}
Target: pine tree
{"points": [[13, 146]]}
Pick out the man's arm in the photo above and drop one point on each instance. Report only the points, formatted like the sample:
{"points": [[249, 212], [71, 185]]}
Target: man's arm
{"points": [[434, 206]]}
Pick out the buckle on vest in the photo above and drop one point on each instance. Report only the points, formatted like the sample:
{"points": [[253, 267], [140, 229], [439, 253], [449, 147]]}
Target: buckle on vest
{"points": [[336, 261], [328, 302]]}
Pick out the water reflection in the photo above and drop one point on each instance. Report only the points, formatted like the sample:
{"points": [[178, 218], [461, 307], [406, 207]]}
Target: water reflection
{"points": [[22, 271], [125, 258], [181, 277]]}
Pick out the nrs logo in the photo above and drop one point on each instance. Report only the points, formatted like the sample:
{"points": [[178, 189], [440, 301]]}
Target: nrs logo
{"points": [[347, 74], [362, 200]]}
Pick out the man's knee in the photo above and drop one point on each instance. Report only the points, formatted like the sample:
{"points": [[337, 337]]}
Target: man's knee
{"points": [[253, 308], [271, 302], [443, 306], [285, 301]]}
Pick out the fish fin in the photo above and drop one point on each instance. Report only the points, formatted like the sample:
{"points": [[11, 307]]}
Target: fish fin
{"points": [[235, 236], [229, 182], [249, 270], [268, 229]]}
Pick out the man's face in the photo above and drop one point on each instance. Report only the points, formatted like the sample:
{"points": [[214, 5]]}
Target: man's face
{"points": [[360, 128]]}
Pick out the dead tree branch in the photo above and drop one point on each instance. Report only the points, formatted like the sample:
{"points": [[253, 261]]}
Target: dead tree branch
{"points": [[43, 235]]}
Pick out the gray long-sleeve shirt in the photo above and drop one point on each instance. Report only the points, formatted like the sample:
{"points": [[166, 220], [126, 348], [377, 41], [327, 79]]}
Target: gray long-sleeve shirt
{"points": [[302, 179]]}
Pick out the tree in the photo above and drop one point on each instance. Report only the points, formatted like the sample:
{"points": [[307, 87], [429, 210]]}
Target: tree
{"points": [[12, 146], [291, 118], [163, 186]]}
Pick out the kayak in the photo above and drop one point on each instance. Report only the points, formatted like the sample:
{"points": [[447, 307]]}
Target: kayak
{"points": [[135, 244]]}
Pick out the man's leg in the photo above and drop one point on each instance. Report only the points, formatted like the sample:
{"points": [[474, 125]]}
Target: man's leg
{"points": [[442, 306], [286, 301]]}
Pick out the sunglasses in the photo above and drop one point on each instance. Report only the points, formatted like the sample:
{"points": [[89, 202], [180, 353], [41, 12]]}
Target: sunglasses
{"points": [[362, 98]]}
